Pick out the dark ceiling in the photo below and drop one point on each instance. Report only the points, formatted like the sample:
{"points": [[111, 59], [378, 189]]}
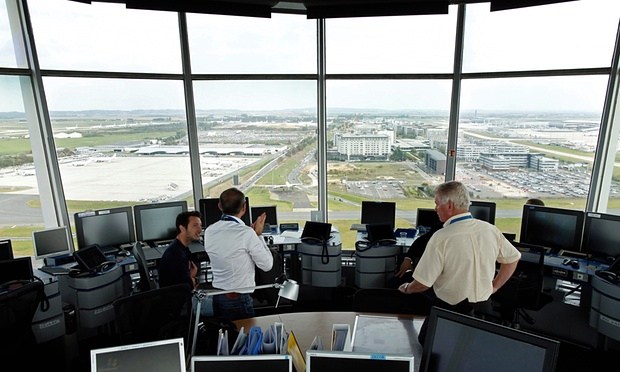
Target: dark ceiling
{"points": [[317, 8]]}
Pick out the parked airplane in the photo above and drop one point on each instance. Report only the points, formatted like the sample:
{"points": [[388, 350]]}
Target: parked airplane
{"points": [[81, 163], [26, 172], [103, 159]]}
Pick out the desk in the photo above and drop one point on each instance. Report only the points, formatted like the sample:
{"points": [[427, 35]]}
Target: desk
{"points": [[308, 325]]}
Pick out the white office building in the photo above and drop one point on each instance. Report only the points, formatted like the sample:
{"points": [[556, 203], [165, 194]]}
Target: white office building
{"points": [[362, 146]]}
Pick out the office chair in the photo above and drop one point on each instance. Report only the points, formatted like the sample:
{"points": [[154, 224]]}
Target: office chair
{"points": [[390, 301], [524, 290], [261, 277], [19, 301], [146, 281], [154, 314]]}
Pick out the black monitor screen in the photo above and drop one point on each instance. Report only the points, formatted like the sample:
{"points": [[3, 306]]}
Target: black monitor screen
{"points": [[210, 211], [601, 236], [427, 217], [51, 242], [471, 344], [333, 361], [156, 222], [555, 228], [378, 212], [16, 269], [6, 249], [483, 210], [270, 211], [106, 228]]}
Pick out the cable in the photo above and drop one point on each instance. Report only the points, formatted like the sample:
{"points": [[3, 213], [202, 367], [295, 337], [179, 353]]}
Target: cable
{"points": [[45, 302]]}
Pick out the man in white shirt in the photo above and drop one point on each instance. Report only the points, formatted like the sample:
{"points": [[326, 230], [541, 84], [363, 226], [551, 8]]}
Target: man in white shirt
{"points": [[460, 259], [235, 250]]}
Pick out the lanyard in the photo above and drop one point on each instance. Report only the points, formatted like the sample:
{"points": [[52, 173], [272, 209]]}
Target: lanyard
{"points": [[468, 217], [226, 217]]}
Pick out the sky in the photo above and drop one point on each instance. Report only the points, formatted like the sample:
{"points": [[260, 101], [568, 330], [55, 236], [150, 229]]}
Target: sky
{"points": [[72, 35]]}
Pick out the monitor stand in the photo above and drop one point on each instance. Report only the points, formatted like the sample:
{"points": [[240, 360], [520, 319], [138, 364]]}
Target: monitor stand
{"points": [[58, 260]]}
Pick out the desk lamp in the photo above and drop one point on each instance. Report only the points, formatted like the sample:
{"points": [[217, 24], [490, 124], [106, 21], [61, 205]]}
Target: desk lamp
{"points": [[288, 288]]}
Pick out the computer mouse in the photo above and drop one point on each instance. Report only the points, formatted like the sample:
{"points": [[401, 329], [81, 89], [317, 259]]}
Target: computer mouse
{"points": [[572, 263], [123, 253]]}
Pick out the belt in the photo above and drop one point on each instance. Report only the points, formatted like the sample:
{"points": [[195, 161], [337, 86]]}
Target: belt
{"points": [[231, 296]]}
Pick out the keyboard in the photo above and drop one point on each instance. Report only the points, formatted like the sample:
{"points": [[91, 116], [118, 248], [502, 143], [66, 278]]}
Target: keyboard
{"points": [[58, 270]]}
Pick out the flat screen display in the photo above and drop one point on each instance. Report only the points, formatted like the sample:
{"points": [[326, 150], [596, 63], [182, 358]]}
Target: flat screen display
{"points": [[210, 211], [427, 218], [474, 344], [156, 222], [378, 212], [270, 211], [107, 228], [6, 249], [52, 242], [333, 361], [164, 355], [555, 228], [245, 363], [483, 210], [16, 269], [318, 231], [601, 236]]}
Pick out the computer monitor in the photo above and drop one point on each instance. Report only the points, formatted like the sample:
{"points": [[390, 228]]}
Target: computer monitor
{"points": [[164, 355], [378, 212], [245, 363], [483, 210], [555, 228], [338, 361], [6, 249], [315, 231], [426, 218], [210, 211], [474, 344], [377, 232], [16, 269], [52, 242], [156, 222], [601, 236], [270, 211], [108, 228]]}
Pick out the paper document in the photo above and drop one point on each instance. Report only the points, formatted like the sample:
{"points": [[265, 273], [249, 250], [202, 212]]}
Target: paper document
{"points": [[222, 343], [241, 339]]}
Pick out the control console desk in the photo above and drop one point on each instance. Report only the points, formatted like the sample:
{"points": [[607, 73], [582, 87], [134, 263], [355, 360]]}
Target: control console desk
{"points": [[605, 310], [49, 322], [92, 295]]}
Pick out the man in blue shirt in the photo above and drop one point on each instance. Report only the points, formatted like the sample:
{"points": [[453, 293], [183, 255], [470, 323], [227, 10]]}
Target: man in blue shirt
{"points": [[176, 265]]}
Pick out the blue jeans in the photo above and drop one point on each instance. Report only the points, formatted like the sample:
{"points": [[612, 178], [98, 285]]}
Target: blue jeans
{"points": [[233, 306]]}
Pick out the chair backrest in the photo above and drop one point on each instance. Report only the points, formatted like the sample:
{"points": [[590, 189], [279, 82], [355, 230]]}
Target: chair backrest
{"points": [[524, 290], [530, 278], [390, 301], [18, 303], [154, 314], [146, 282]]}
